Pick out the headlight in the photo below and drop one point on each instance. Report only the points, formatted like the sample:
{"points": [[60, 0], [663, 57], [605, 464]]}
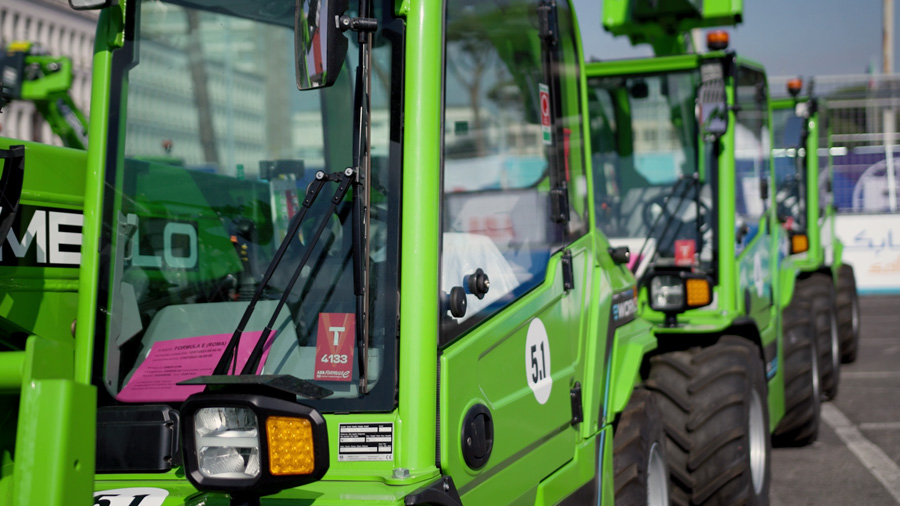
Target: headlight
{"points": [[675, 292], [252, 444], [666, 293], [227, 442]]}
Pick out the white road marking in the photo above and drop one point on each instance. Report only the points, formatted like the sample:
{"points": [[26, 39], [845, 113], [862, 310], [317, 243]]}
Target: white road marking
{"points": [[880, 426], [880, 465], [871, 375]]}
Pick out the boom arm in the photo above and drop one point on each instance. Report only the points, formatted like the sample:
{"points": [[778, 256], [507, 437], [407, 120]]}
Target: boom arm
{"points": [[666, 24], [45, 81]]}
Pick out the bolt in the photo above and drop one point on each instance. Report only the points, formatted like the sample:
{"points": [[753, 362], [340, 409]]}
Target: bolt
{"points": [[348, 171], [320, 175]]}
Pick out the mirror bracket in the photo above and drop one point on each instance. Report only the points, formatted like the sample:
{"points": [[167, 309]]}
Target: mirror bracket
{"points": [[359, 25]]}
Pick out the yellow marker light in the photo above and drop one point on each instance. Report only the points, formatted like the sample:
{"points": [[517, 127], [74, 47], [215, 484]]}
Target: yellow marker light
{"points": [[799, 243], [697, 292], [290, 445]]}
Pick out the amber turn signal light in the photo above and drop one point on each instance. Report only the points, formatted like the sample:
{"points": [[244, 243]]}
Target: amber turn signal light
{"points": [[698, 292], [290, 445], [799, 243], [794, 86], [717, 40]]}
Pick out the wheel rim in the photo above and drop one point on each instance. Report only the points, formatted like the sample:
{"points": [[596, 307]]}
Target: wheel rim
{"points": [[657, 479], [817, 389], [835, 346], [757, 443]]}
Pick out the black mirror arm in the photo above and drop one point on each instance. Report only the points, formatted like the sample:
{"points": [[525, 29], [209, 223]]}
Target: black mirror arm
{"points": [[359, 25]]}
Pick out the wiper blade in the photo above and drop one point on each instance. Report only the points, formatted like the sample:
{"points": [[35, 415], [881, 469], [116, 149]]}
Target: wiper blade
{"points": [[361, 215], [280, 382]]}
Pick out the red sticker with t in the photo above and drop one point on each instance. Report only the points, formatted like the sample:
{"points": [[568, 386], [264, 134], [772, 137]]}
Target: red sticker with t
{"points": [[546, 122], [334, 346], [684, 252]]}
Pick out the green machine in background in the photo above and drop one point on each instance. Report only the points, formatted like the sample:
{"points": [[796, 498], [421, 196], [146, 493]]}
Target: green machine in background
{"points": [[30, 74], [804, 196], [681, 151], [802, 150], [444, 323]]}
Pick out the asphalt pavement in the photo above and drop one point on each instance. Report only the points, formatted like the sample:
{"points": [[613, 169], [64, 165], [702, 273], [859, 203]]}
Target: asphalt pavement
{"points": [[856, 460]]}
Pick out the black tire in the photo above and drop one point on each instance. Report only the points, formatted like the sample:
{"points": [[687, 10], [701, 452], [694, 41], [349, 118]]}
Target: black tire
{"points": [[639, 459], [802, 395], [847, 302], [715, 412], [826, 325], [819, 290]]}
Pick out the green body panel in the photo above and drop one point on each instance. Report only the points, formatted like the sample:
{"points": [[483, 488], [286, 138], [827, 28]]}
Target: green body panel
{"points": [[419, 285], [629, 350], [580, 471], [109, 25], [52, 461], [37, 299], [477, 369]]}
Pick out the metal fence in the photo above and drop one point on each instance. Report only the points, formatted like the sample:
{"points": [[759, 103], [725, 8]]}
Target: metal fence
{"points": [[865, 146]]}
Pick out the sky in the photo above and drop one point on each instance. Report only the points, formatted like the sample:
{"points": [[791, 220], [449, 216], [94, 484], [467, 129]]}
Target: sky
{"points": [[789, 37]]}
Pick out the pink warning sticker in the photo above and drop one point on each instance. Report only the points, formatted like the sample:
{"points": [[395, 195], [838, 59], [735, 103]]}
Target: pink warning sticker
{"points": [[181, 359]]}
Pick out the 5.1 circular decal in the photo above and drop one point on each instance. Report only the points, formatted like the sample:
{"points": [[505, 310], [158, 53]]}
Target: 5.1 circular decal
{"points": [[139, 496], [537, 361]]}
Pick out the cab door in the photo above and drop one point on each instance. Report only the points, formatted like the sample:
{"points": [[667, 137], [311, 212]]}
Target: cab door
{"points": [[511, 212], [757, 262]]}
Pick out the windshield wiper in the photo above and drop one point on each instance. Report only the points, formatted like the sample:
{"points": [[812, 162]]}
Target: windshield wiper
{"points": [[229, 356], [692, 182], [365, 27], [344, 184]]}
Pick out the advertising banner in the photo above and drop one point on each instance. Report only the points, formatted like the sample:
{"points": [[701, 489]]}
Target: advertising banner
{"points": [[872, 247]]}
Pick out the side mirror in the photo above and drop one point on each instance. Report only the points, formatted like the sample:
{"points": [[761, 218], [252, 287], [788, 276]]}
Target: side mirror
{"points": [[84, 5], [319, 42], [712, 104], [639, 89]]}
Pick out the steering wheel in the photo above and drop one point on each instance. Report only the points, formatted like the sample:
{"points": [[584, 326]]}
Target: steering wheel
{"points": [[658, 206]]}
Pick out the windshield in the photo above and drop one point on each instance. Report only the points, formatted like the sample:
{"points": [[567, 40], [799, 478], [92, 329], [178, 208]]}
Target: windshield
{"points": [[790, 168], [648, 191], [217, 151]]}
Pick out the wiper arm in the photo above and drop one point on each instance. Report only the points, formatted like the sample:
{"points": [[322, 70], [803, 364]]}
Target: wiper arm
{"points": [[229, 356], [344, 180], [664, 212]]}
